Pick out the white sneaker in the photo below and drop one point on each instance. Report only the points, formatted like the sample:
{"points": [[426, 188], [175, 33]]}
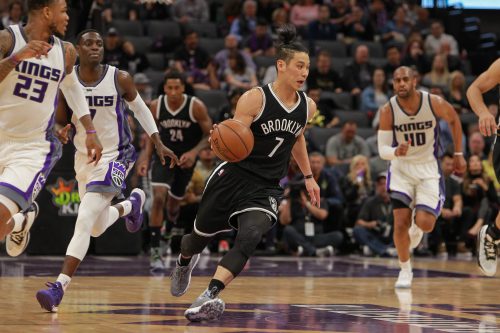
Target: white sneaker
{"points": [[416, 235], [487, 252], [17, 241], [404, 279]]}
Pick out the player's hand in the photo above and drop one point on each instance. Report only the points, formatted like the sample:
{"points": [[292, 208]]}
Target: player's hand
{"points": [[142, 167], [214, 126], [34, 49], [487, 124], [313, 191], [187, 159], [402, 149], [163, 151], [459, 164], [63, 134], [94, 148]]}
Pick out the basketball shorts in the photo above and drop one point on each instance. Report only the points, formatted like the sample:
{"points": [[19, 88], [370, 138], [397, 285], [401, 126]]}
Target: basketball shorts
{"points": [[108, 176], [230, 192], [417, 185], [25, 166], [175, 179]]}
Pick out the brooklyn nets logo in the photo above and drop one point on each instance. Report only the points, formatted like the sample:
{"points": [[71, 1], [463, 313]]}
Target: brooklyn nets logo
{"points": [[118, 171], [274, 204]]}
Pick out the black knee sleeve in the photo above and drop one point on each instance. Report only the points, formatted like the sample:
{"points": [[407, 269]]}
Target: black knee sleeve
{"points": [[193, 243], [251, 227]]}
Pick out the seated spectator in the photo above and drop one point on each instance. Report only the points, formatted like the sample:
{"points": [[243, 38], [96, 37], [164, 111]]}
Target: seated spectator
{"points": [[221, 58], [228, 111], [437, 37], [396, 30], [439, 74], [423, 24], [378, 15], [356, 187], [117, 51], [373, 226], [185, 11], [279, 18], [322, 28], [303, 232], [458, 98], [303, 13], [415, 57], [266, 8], [342, 147], [144, 88], [195, 62], [325, 114], [476, 145], [339, 12], [244, 25], [453, 61], [375, 95], [357, 26], [358, 73], [238, 75], [143, 11], [260, 43], [15, 14], [101, 15], [393, 56], [324, 76]]}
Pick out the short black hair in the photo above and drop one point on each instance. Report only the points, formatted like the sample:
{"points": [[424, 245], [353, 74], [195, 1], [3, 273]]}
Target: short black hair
{"points": [[38, 4], [80, 35], [174, 75], [288, 44], [447, 154]]}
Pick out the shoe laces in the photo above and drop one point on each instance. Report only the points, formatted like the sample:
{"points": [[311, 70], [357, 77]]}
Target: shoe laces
{"points": [[55, 288], [490, 248]]}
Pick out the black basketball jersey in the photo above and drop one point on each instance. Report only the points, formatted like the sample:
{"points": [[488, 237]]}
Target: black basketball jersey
{"points": [[275, 131], [178, 129]]}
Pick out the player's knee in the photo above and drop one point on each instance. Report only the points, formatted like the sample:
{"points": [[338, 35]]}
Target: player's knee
{"points": [[97, 231], [158, 201], [401, 225], [247, 241], [426, 224], [193, 243]]}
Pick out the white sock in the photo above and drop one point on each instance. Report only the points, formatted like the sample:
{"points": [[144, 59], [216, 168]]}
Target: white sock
{"points": [[64, 280], [127, 207], [18, 220], [406, 266]]}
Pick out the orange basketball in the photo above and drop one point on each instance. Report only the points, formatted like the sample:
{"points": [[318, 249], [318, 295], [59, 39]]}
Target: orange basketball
{"points": [[232, 140]]}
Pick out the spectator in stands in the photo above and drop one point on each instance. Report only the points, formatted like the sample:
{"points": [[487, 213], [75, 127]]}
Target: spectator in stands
{"points": [[340, 11], [476, 145], [423, 24], [279, 18], [266, 8], [378, 15], [322, 28], [439, 74], [357, 25], [116, 50], [101, 15], [457, 92], [325, 114], [221, 58], [303, 13], [356, 187], [142, 11], [260, 43], [437, 37], [415, 56], [373, 227], [448, 222], [195, 62], [393, 56], [15, 14], [237, 75], [396, 30], [185, 11], [375, 95], [144, 88], [228, 111], [342, 147], [304, 224], [324, 76], [244, 25], [358, 73]]}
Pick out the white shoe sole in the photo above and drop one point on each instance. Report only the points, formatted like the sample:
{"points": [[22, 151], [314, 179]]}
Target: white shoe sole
{"points": [[208, 311], [480, 252]]}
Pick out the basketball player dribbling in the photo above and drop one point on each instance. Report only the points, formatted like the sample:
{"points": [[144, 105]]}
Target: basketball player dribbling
{"points": [[488, 239], [34, 65], [408, 136], [184, 126], [244, 195], [108, 91]]}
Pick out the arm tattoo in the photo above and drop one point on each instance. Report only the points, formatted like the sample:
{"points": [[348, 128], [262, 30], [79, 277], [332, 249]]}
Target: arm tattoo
{"points": [[6, 64], [70, 54]]}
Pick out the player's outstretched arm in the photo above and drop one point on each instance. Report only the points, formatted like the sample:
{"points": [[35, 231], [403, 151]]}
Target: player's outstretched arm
{"points": [[77, 102], [444, 110], [299, 153], [145, 118], [385, 137], [485, 82]]}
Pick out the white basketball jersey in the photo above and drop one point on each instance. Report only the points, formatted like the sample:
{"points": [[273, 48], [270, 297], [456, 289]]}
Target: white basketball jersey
{"points": [[421, 128], [28, 94], [108, 111]]}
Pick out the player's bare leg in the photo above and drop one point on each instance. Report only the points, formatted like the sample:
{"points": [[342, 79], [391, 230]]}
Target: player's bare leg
{"points": [[160, 194], [402, 222]]}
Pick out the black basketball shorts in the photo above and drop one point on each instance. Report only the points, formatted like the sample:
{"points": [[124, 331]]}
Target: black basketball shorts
{"points": [[228, 193], [175, 179]]}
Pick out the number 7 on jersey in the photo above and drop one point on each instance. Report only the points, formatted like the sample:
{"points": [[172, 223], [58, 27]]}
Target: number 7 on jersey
{"points": [[280, 142]]}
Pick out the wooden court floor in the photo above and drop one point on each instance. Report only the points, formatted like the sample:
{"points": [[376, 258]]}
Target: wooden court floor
{"points": [[273, 294]]}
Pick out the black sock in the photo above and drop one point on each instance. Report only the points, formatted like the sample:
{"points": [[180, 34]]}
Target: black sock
{"points": [[183, 261], [493, 231], [155, 236], [215, 287]]}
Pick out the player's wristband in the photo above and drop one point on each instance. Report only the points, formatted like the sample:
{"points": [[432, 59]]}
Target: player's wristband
{"points": [[309, 176], [458, 153], [91, 131]]}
